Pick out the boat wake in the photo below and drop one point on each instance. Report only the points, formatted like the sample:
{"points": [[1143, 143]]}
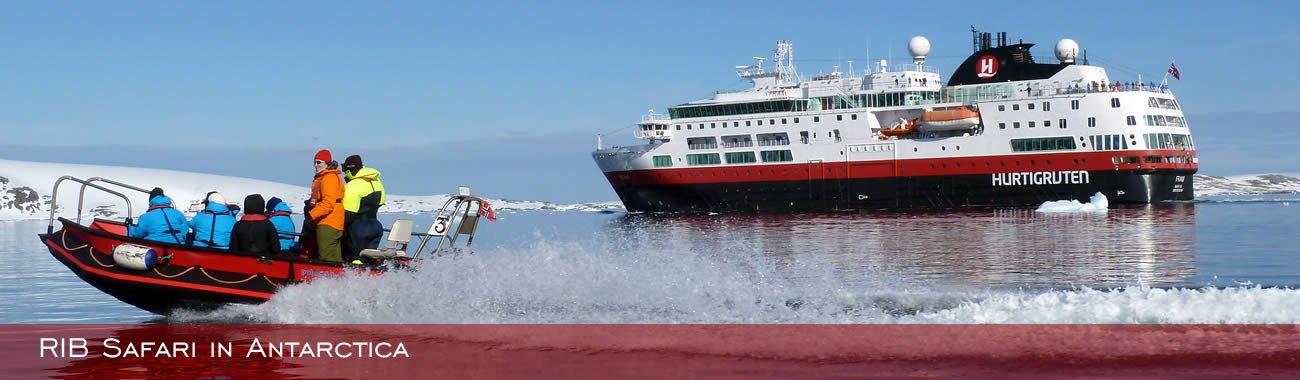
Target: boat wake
{"points": [[566, 282]]}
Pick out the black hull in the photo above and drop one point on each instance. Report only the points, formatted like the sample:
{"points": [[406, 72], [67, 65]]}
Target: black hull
{"points": [[150, 291], [157, 299], [930, 192]]}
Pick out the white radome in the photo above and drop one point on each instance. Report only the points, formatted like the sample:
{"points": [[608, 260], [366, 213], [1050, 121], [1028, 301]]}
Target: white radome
{"points": [[1067, 50], [919, 47]]}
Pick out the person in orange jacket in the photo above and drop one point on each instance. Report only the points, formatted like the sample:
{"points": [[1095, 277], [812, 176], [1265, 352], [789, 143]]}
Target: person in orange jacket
{"points": [[325, 208]]}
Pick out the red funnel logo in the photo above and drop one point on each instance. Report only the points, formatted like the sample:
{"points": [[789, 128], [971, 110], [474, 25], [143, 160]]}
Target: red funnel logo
{"points": [[987, 67]]}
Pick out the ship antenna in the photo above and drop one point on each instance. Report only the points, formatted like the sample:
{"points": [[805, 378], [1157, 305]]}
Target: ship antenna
{"points": [[785, 71]]}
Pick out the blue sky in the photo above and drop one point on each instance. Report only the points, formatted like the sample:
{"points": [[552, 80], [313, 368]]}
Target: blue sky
{"points": [[299, 75]]}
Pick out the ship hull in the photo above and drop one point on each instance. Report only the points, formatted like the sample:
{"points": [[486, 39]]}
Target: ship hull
{"points": [[919, 192]]}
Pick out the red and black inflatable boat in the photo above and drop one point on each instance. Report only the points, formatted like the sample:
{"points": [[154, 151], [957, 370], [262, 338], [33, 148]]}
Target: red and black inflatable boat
{"points": [[193, 277], [161, 277]]}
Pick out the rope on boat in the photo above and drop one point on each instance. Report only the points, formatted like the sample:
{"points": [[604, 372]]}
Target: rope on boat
{"points": [[63, 237], [182, 273], [205, 273], [63, 240], [268, 280]]}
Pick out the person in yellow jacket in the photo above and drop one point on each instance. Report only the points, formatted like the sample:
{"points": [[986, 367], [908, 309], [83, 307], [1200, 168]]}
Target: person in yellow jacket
{"points": [[362, 197], [324, 209]]}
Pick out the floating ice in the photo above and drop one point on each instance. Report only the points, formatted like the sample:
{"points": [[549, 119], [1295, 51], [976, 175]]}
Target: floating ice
{"points": [[1097, 203]]}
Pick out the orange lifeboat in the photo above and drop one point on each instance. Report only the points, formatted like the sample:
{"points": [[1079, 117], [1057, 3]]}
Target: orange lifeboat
{"points": [[950, 119], [900, 129]]}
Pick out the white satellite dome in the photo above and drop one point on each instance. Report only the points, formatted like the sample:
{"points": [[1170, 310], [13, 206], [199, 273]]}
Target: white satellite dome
{"points": [[1067, 50], [919, 47]]}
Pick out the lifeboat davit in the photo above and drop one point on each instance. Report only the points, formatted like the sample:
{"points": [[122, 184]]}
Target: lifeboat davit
{"points": [[950, 119], [900, 129]]}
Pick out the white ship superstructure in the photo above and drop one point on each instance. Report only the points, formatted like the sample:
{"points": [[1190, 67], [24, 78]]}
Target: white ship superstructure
{"points": [[1004, 130]]}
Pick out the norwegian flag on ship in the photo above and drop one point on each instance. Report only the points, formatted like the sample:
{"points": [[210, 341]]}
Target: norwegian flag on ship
{"points": [[486, 211], [1173, 70]]}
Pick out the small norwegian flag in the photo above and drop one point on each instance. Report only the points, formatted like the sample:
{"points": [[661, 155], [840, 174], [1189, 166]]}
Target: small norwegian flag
{"points": [[1173, 70], [486, 211]]}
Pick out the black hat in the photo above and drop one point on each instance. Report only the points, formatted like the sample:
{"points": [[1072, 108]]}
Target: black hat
{"points": [[271, 203], [352, 164], [155, 192], [253, 204]]}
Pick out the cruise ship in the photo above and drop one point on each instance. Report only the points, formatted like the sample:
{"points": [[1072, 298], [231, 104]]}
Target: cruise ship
{"points": [[1004, 130]]}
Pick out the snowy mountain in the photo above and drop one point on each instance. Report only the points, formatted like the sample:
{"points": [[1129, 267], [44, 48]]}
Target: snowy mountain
{"points": [[1247, 184], [25, 192]]}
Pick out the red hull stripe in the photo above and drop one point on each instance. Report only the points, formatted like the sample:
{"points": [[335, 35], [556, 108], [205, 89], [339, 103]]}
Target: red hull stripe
{"points": [[153, 281], [830, 170]]}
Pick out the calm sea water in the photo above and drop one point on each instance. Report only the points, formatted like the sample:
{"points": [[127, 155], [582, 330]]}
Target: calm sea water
{"points": [[1227, 259]]}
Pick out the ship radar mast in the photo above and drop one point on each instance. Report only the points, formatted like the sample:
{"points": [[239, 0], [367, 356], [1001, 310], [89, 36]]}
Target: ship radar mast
{"points": [[785, 73]]}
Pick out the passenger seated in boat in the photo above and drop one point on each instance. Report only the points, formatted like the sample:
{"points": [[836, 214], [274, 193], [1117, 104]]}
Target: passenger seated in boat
{"points": [[211, 227], [161, 222], [282, 217], [254, 233]]}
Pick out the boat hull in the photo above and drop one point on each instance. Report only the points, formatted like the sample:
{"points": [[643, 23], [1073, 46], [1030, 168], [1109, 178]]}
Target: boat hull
{"points": [[918, 192], [195, 278]]}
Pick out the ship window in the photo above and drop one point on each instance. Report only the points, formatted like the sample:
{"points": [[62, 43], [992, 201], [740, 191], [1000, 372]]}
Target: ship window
{"points": [[1074, 104], [1042, 143], [1092, 122], [703, 159], [1002, 107], [1030, 105], [1132, 120], [796, 120], [1031, 124], [1002, 125], [736, 124], [747, 123], [679, 127], [740, 157], [1047, 106], [663, 161], [853, 116], [1047, 123], [817, 119], [839, 117], [771, 122], [1061, 123], [688, 127], [1015, 124], [1114, 102], [777, 156], [760, 123]]}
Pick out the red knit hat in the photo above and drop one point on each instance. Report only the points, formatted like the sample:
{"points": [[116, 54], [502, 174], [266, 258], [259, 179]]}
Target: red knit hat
{"points": [[324, 155]]}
